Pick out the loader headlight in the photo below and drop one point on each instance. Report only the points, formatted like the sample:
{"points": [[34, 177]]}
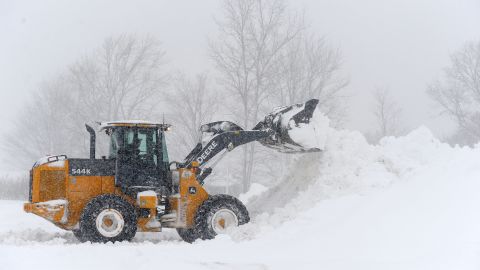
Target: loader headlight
{"points": [[186, 174]]}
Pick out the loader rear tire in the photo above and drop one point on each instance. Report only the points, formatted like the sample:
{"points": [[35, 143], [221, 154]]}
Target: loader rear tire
{"points": [[217, 214], [108, 218], [188, 235], [78, 234]]}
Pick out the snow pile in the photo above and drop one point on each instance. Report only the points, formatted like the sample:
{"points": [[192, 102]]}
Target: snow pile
{"points": [[310, 136], [55, 161], [349, 165], [54, 203]]}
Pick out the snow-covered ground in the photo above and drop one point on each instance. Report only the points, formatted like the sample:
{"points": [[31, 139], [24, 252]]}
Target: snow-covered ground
{"points": [[408, 203]]}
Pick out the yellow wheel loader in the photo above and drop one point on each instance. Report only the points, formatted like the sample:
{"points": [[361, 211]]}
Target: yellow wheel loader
{"points": [[136, 187]]}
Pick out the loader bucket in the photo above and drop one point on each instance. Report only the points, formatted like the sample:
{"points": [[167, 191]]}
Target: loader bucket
{"points": [[295, 129]]}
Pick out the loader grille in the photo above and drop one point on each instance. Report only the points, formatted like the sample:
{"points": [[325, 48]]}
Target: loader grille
{"points": [[52, 185]]}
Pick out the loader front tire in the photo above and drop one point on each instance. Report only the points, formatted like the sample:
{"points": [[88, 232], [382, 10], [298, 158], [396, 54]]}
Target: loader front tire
{"points": [[188, 235], [78, 234], [219, 213], [108, 218]]}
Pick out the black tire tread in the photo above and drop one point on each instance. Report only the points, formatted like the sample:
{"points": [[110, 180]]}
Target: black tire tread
{"points": [[188, 235], [88, 231], [214, 203], [78, 234]]}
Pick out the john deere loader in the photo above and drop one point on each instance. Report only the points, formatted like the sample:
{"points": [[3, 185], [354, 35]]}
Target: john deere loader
{"points": [[137, 188]]}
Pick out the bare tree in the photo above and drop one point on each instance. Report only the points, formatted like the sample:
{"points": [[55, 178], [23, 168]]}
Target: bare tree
{"points": [[39, 131], [267, 58], [310, 68], [252, 35], [458, 94], [387, 114], [120, 80], [191, 104]]}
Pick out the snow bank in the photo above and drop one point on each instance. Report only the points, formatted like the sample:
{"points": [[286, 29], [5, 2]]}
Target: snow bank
{"points": [[348, 166]]}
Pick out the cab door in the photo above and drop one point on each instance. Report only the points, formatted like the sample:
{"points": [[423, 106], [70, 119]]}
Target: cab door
{"points": [[137, 164]]}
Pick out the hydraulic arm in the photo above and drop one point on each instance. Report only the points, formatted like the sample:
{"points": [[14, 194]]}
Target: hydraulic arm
{"points": [[273, 132]]}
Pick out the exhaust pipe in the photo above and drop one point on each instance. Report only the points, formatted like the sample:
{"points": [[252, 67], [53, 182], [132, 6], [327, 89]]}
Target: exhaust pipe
{"points": [[92, 141]]}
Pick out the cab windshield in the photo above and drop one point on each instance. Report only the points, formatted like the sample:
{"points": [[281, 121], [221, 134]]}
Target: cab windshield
{"points": [[140, 143]]}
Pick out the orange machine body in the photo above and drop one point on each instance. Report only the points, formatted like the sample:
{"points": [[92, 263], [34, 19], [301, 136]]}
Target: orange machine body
{"points": [[60, 198]]}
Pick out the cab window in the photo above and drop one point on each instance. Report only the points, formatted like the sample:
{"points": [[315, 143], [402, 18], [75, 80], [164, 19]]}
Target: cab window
{"points": [[164, 148]]}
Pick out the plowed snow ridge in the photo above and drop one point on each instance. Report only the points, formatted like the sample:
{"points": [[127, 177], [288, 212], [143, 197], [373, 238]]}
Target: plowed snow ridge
{"points": [[348, 165]]}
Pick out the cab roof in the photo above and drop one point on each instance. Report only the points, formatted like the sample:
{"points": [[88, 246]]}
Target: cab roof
{"points": [[134, 123]]}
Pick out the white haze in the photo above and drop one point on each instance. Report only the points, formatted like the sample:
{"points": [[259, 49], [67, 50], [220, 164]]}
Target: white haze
{"points": [[402, 45]]}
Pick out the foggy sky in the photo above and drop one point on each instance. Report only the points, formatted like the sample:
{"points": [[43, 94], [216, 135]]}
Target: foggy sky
{"points": [[402, 45]]}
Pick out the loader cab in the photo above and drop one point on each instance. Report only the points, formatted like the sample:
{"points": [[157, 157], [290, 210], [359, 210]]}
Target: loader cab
{"points": [[140, 154]]}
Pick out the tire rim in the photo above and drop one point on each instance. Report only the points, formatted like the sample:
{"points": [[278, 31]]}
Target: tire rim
{"points": [[110, 223], [222, 220]]}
